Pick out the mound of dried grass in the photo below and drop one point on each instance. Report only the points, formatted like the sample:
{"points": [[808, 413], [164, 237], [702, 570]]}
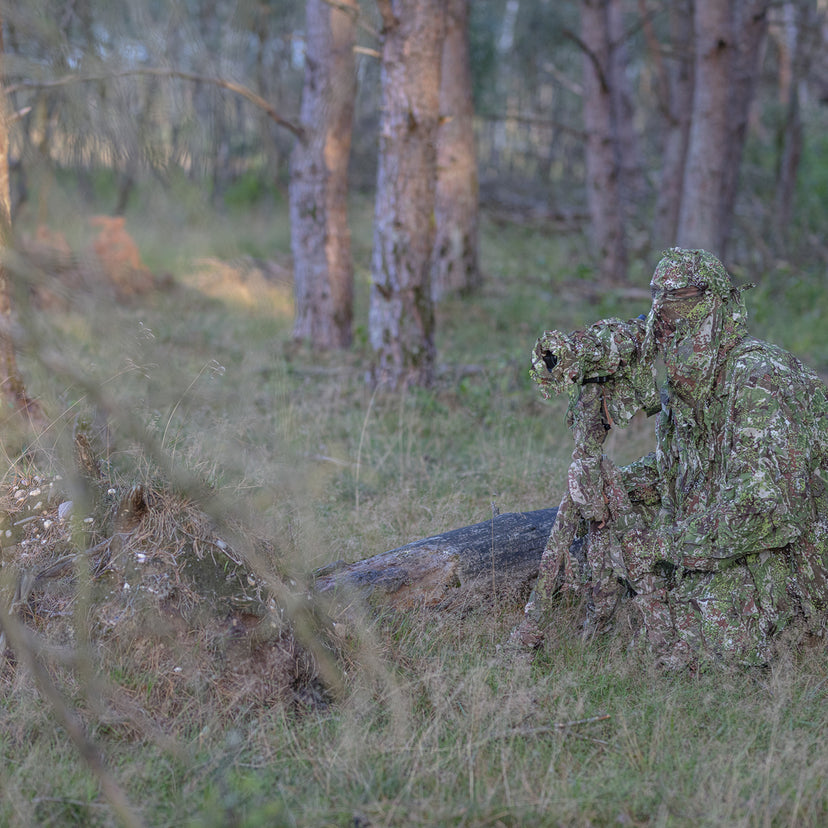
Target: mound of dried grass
{"points": [[143, 579]]}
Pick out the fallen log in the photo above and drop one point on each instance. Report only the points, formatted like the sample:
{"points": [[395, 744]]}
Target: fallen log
{"points": [[496, 558]]}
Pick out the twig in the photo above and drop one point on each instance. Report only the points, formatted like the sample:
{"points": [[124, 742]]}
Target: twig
{"points": [[555, 727], [533, 121]]}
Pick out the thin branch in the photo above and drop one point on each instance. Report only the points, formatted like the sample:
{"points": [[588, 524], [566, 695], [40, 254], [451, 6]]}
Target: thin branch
{"points": [[534, 121], [593, 58], [364, 50], [556, 726], [231, 86], [354, 13]]}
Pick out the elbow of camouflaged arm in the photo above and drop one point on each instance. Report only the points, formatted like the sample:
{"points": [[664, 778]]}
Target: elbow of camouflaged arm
{"points": [[724, 534], [640, 479]]}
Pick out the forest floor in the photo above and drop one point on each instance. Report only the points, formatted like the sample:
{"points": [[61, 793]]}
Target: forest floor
{"points": [[236, 438]]}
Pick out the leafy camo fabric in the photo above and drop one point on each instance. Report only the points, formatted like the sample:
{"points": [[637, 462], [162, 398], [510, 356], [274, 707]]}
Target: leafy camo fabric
{"points": [[719, 539]]}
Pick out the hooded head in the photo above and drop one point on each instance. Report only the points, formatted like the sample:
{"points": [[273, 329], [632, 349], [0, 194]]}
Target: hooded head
{"points": [[696, 318]]}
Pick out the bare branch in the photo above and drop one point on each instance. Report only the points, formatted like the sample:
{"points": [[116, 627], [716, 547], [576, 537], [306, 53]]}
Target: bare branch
{"points": [[533, 121], [364, 50], [352, 10], [593, 58], [158, 72]]}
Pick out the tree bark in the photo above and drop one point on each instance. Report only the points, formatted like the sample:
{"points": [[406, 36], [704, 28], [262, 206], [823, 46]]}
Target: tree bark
{"points": [[750, 27], [795, 20], [497, 558], [602, 173], [704, 171], [454, 263], [401, 312], [677, 109], [12, 388], [320, 236], [728, 37], [631, 180]]}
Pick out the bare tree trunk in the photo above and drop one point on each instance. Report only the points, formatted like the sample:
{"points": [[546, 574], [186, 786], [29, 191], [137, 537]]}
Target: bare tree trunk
{"points": [[677, 107], [602, 185], [728, 38], [12, 388], [793, 61], [401, 313], [631, 180], [707, 154], [750, 26], [320, 237], [454, 264]]}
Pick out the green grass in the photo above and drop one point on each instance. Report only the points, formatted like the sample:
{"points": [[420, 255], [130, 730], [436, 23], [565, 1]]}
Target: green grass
{"points": [[438, 724]]}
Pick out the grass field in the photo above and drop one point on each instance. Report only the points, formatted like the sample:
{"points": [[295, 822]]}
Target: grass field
{"points": [[437, 724]]}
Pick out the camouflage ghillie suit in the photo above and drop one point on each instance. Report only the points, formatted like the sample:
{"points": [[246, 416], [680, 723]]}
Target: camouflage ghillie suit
{"points": [[725, 542]]}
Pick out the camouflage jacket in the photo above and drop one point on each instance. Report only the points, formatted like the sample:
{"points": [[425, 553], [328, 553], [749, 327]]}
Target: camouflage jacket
{"points": [[747, 470]]}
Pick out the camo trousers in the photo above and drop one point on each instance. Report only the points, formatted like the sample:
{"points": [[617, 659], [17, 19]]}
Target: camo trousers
{"points": [[683, 614]]}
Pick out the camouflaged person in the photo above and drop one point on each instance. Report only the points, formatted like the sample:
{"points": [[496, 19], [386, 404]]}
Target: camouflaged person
{"points": [[734, 500]]}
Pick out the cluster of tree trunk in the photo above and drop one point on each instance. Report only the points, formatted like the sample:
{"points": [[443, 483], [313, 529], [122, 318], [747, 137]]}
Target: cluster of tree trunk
{"points": [[425, 229], [707, 85]]}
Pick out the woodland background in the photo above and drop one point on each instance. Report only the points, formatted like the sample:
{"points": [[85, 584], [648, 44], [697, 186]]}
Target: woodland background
{"points": [[262, 267]]}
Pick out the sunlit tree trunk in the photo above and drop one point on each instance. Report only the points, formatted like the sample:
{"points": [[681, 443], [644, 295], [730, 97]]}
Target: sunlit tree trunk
{"points": [[401, 314], [12, 388], [602, 184], [454, 264], [677, 110], [320, 237]]}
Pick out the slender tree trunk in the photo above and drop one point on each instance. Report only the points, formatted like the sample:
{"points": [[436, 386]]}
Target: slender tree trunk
{"points": [[631, 180], [401, 314], [677, 108], [728, 39], [454, 263], [750, 27], [707, 154], [602, 184], [320, 237], [795, 18], [12, 388]]}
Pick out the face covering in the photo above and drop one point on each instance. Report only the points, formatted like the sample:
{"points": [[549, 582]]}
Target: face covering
{"points": [[696, 318]]}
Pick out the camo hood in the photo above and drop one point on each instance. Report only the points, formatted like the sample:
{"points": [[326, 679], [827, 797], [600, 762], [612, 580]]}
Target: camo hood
{"points": [[693, 333]]}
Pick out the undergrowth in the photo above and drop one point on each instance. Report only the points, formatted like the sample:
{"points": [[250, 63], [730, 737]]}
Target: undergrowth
{"points": [[437, 722]]}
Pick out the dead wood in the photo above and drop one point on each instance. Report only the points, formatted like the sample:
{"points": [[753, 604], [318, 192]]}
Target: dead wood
{"points": [[497, 558]]}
